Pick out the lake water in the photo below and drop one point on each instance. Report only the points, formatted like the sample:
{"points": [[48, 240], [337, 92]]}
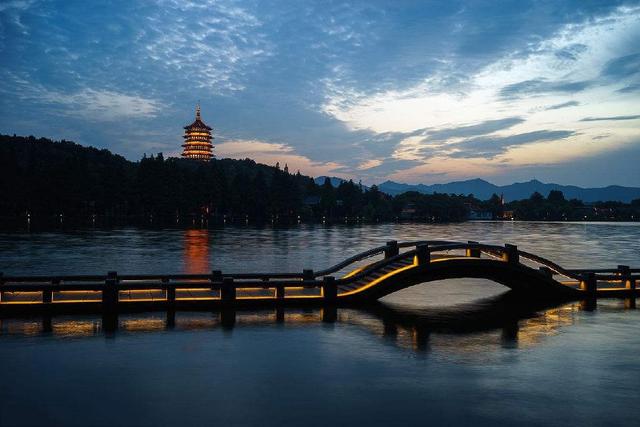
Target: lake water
{"points": [[456, 352]]}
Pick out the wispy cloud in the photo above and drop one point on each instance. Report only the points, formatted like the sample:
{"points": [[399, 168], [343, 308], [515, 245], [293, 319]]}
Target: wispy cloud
{"points": [[486, 127], [211, 43], [271, 153], [579, 60], [490, 147], [613, 118], [89, 103], [541, 87], [563, 105]]}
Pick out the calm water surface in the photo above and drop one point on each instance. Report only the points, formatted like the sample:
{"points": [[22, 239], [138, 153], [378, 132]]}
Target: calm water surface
{"points": [[452, 352]]}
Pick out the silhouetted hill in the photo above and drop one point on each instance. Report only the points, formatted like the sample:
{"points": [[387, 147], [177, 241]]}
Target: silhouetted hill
{"points": [[483, 190]]}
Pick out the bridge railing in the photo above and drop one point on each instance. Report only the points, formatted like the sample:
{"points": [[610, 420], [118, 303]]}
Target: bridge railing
{"points": [[282, 283], [370, 269], [551, 265], [373, 252], [351, 260], [217, 286], [431, 246], [473, 249]]}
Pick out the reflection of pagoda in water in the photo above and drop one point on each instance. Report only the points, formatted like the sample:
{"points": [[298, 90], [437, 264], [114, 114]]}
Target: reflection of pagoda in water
{"points": [[196, 251], [197, 140]]}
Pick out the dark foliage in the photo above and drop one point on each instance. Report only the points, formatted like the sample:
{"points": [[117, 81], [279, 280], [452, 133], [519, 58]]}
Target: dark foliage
{"points": [[44, 178]]}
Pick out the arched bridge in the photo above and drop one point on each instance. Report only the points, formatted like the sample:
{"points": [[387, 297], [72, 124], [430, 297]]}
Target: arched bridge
{"points": [[437, 260], [366, 276]]}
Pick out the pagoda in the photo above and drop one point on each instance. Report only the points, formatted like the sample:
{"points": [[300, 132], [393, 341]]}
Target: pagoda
{"points": [[197, 140]]}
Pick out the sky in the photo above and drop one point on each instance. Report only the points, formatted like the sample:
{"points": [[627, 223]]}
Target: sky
{"points": [[409, 91]]}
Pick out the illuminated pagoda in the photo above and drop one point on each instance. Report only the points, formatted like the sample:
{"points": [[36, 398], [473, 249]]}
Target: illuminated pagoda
{"points": [[197, 140]]}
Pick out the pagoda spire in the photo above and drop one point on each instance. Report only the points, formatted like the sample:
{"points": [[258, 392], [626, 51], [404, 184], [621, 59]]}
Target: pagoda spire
{"points": [[198, 111]]}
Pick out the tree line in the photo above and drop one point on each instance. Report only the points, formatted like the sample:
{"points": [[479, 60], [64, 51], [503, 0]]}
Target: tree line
{"points": [[42, 178]]}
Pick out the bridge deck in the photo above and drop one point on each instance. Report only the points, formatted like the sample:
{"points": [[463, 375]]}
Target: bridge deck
{"points": [[361, 278]]}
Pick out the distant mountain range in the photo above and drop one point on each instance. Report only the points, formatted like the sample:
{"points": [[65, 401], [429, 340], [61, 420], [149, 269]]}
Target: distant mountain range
{"points": [[517, 191]]}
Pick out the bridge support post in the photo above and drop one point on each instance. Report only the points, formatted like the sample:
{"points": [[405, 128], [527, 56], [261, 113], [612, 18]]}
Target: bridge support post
{"points": [[47, 294], [216, 276], [110, 292], [392, 249], [625, 276], [329, 289], [171, 291], [280, 292], [307, 274], [589, 284], [472, 252], [510, 254], [227, 291], [423, 254], [216, 281]]}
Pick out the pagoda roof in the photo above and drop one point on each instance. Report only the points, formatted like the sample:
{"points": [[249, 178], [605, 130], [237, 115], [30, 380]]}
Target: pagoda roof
{"points": [[198, 124]]}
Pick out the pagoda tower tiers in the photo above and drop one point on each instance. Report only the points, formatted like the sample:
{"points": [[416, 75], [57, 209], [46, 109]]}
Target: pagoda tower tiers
{"points": [[197, 140]]}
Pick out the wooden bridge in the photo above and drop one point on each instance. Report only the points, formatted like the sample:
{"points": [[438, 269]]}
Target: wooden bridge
{"points": [[364, 277]]}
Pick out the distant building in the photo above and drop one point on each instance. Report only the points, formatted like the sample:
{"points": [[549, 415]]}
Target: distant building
{"points": [[197, 140]]}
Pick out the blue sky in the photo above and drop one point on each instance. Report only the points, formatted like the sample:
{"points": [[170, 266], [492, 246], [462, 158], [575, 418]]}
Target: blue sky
{"points": [[424, 91]]}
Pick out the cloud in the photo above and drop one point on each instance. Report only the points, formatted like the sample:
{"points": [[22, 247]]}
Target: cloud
{"points": [[508, 103], [563, 105], [245, 148], [635, 87], [389, 166], [87, 103], [486, 127], [490, 147], [571, 52], [271, 153], [541, 86], [213, 44], [622, 67], [105, 105], [614, 118], [369, 164]]}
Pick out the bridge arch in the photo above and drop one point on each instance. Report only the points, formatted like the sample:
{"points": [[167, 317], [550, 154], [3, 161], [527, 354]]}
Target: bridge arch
{"points": [[424, 264]]}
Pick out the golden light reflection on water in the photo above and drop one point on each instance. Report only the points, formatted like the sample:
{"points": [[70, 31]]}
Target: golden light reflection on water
{"points": [[196, 251], [76, 328], [198, 321], [149, 324], [438, 334]]}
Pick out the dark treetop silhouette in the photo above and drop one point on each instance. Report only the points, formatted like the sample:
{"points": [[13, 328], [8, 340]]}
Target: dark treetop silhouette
{"points": [[47, 181]]}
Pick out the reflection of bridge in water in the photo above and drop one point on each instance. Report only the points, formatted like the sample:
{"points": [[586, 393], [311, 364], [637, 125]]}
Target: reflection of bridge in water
{"points": [[362, 278], [503, 321]]}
